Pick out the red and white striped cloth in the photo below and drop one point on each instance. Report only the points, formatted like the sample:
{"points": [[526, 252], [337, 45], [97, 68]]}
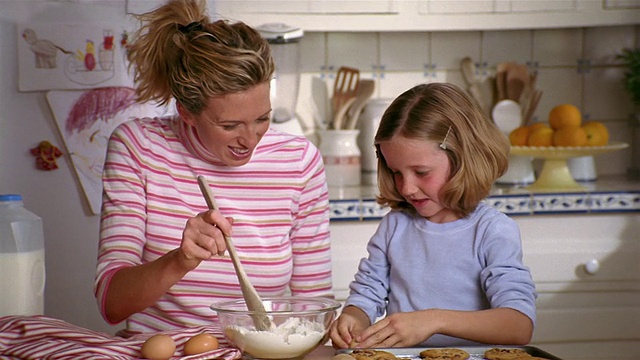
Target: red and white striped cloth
{"points": [[45, 338]]}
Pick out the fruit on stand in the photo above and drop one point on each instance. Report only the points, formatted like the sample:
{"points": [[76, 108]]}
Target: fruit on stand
{"points": [[519, 136], [565, 128], [541, 136], [597, 133], [570, 136], [564, 115]]}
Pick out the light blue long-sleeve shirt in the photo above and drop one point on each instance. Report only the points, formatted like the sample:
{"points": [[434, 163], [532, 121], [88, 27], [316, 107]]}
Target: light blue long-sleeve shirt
{"points": [[469, 264]]}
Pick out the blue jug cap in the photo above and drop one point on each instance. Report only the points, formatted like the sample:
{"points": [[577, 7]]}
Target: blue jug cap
{"points": [[10, 197]]}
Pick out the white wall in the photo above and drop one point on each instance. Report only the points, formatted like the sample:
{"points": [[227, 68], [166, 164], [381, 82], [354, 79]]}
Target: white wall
{"points": [[72, 232]]}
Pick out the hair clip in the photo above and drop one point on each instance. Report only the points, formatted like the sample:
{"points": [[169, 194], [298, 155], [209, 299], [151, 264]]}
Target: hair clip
{"points": [[194, 26], [443, 145]]}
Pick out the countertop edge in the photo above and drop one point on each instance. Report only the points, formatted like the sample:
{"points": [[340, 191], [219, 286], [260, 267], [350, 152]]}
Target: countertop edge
{"points": [[607, 195]]}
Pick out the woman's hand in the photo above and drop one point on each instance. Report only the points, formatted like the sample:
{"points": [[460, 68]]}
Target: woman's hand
{"points": [[203, 237], [352, 321]]}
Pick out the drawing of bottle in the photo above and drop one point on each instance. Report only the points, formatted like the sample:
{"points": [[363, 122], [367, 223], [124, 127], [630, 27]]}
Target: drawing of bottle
{"points": [[89, 57], [105, 53]]}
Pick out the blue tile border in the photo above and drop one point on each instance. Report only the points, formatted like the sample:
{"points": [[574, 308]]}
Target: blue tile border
{"points": [[513, 205]]}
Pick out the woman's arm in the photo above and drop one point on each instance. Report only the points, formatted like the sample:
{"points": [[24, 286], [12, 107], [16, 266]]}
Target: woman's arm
{"points": [[309, 235], [134, 288]]}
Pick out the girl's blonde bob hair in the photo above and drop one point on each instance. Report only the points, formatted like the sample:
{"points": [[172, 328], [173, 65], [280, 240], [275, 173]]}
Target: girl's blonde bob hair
{"points": [[179, 53], [442, 113]]}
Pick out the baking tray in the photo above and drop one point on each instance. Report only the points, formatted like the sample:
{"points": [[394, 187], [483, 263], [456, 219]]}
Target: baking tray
{"points": [[475, 352]]}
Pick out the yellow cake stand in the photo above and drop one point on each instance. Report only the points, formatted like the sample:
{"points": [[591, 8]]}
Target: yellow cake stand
{"points": [[555, 175]]}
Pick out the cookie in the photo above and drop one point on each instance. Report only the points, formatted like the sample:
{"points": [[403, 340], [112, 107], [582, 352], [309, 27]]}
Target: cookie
{"points": [[342, 357], [506, 354], [444, 354], [369, 354]]}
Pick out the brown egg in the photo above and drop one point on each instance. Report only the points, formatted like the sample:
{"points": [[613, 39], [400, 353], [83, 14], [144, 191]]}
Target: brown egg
{"points": [[158, 347], [200, 343]]}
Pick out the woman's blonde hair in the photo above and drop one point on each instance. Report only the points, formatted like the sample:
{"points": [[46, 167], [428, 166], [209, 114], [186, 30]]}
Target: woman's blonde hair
{"points": [[440, 112], [179, 53]]}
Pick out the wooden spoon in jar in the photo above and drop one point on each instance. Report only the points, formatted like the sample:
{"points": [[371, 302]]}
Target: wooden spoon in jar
{"points": [[251, 297]]}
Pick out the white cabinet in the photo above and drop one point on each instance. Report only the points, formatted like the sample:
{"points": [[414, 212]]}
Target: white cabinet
{"points": [[622, 4], [587, 273], [495, 6], [307, 7], [421, 15]]}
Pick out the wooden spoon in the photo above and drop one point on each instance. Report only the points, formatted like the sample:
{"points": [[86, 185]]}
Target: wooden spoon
{"points": [[517, 81], [251, 297], [365, 91], [344, 89], [501, 81]]}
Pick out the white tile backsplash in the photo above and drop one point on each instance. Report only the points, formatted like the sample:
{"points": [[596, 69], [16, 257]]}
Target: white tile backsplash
{"points": [[603, 43], [557, 47], [575, 65], [448, 48], [359, 50], [560, 85], [404, 51], [313, 52], [512, 45], [603, 87]]}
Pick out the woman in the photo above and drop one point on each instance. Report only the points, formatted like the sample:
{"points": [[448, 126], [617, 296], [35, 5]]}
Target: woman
{"points": [[161, 260]]}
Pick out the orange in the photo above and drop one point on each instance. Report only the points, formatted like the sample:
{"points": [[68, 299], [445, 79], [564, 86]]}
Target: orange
{"points": [[542, 136], [597, 133], [519, 136], [564, 115], [570, 136], [537, 125]]}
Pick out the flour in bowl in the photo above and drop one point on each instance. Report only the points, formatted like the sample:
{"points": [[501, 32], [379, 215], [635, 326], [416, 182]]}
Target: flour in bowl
{"points": [[290, 339]]}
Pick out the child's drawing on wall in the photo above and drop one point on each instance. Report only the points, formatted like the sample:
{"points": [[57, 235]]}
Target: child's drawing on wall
{"points": [[86, 119], [45, 51], [87, 53]]}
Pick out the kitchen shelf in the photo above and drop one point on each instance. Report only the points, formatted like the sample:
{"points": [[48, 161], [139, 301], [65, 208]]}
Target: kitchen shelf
{"points": [[609, 194]]}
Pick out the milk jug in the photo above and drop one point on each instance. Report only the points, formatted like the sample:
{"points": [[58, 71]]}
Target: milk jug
{"points": [[22, 272]]}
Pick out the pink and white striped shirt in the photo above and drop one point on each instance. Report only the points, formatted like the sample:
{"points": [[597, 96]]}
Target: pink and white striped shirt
{"points": [[279, 202]]}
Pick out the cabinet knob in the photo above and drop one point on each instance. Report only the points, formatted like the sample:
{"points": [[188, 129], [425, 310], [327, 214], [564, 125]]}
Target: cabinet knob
{"points": [[592, 266]]}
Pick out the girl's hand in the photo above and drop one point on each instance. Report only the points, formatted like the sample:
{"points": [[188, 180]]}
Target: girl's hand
{"points": [[351, 322], [399, 330], [203, 237]]}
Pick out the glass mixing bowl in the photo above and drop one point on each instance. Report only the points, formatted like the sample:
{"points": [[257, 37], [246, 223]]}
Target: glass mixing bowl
{"points": [[299, 325]]}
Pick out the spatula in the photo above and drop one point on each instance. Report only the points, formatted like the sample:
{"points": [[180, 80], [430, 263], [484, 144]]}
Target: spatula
{"points": [[344, 88], [251, 297]]}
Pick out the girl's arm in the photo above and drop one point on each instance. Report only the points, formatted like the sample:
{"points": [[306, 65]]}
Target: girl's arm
{"points": [[503, 326]]}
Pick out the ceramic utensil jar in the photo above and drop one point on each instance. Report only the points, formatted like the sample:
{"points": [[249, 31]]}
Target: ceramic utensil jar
{"points": [[341, 156], [368, 125]]}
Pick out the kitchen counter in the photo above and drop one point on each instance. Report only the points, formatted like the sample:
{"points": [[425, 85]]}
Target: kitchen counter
{"points": [[325, 352], [606, 195]]}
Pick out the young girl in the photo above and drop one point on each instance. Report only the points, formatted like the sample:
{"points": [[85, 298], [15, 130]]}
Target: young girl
{"points": [[445, 268]]}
